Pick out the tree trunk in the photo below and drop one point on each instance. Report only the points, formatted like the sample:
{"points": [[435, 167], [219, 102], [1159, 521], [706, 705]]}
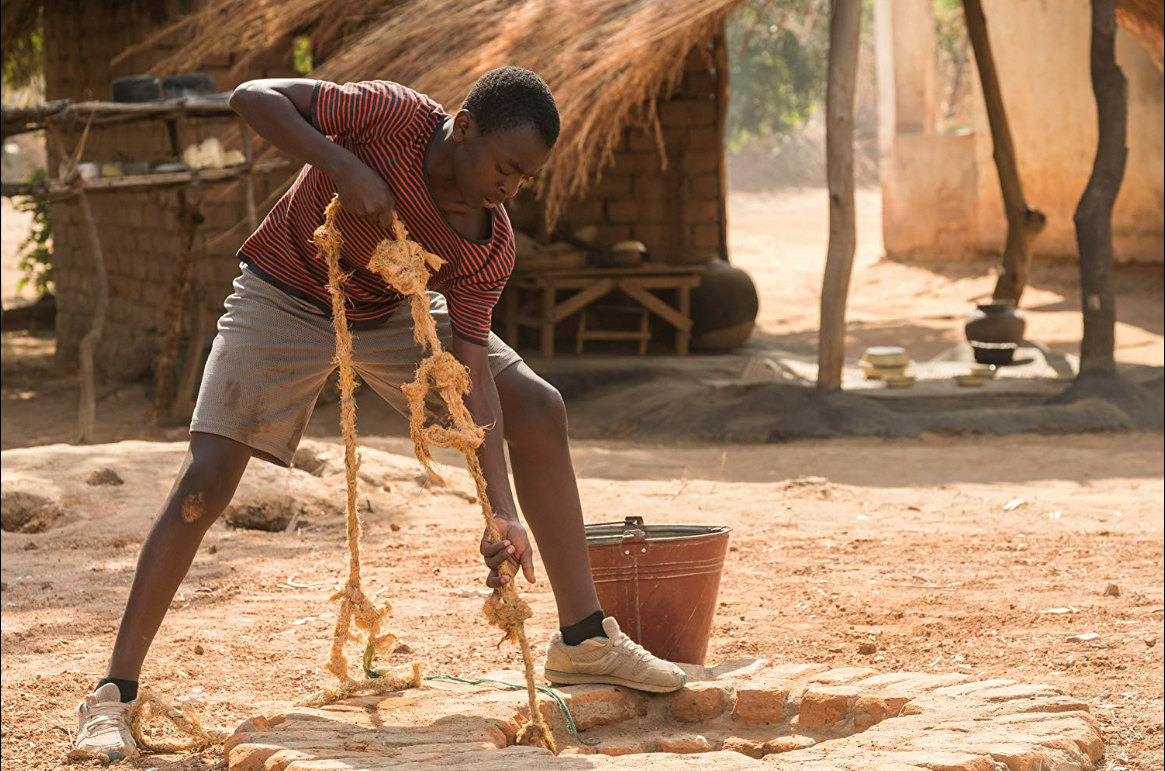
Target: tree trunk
{"points": [[844, 29], [1023, 223], [1093, 216], [87, 409]]}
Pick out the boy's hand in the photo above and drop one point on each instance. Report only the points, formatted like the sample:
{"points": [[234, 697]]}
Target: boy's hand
{"points": [[514, 547], [364, 193]]}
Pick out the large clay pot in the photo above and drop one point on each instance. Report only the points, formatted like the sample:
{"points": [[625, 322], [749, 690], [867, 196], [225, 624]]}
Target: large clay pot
{"points": [[995, 329], [724, 307]]}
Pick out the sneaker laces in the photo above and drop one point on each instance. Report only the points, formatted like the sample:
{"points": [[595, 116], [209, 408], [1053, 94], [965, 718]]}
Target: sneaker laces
{"points": [[105, 714], [623, 641]]}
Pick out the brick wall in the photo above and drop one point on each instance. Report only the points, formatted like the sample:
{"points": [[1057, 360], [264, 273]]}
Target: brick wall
{"points": [[676, 212], [140, 232]]}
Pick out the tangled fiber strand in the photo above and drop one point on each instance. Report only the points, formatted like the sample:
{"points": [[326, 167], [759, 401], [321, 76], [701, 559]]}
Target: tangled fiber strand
{"points": [[184, 717], [387, 680], [355, 604], [405, 266]]}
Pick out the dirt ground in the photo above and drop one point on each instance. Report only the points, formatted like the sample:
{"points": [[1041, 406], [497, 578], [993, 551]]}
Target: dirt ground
{"points": [[915, 545]]}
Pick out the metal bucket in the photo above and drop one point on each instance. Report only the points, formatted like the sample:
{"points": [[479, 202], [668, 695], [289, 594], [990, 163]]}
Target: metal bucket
{"points": [[660, 582]]}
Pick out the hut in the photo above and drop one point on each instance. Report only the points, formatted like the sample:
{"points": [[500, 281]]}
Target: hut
{"points": [[641, 87]]}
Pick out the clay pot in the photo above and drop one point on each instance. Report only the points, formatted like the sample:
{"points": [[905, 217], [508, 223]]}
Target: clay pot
{"points": [[724, 307], [995, 329]]}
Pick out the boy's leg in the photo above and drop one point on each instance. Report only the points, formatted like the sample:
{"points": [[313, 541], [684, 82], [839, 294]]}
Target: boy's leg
{"points": [[205, 484], [534, 418]]}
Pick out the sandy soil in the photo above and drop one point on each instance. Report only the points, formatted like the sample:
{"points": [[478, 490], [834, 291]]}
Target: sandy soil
{"points": [[780, 239], [905, 543]]}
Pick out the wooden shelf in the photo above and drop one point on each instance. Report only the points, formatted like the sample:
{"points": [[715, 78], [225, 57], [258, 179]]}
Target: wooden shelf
{"points": [[143, 181]]}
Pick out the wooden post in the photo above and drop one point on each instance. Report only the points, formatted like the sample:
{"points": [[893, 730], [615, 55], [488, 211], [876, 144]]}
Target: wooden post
{"points": [[87, 410], [720, 52], [1023, 222], [1093, 216], [844, 42], [249, 179]]}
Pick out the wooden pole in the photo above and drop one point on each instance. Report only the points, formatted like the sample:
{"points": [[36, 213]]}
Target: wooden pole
{"points": [[1023, 222], [87, 410], [844, 42], [1093, 216]]}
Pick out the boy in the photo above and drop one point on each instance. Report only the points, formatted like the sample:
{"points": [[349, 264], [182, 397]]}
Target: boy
{"points": [[384, 148]]}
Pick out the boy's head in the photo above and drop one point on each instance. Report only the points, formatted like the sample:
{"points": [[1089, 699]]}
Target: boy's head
{"points": [[505, 131]]}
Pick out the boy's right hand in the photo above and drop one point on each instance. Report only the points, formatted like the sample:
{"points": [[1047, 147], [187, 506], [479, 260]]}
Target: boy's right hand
{"points": [[364, 193]]}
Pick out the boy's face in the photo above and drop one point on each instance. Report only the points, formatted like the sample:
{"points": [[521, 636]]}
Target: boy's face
{"points": [[489, 169]]}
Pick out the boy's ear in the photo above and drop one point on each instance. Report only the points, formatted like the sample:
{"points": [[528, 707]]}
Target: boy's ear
{"points": [[464, 126]]}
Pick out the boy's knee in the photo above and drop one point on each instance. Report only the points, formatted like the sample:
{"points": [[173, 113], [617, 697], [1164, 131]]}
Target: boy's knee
{"points": [[542, 415]]}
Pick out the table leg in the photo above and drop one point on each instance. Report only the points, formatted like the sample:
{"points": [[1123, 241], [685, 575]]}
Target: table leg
{"points": [[684, 336], [548, 295]]}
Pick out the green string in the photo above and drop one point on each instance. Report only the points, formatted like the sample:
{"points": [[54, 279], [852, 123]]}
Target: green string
{"points": [[542, 688]]}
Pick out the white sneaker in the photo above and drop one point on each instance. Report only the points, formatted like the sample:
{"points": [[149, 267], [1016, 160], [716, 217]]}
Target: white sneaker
{"points": [[103, 725], [615, 660]]}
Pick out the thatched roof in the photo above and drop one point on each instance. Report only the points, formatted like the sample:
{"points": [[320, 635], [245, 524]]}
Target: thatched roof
{"points": [[1145, 20], [605, 60]]}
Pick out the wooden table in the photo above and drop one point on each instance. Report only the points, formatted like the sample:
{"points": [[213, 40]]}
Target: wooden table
{"points": [[544, 311]]}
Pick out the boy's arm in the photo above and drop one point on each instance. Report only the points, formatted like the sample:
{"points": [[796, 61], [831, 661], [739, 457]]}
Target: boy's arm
{"points": [[279, 110], [486, 408]]}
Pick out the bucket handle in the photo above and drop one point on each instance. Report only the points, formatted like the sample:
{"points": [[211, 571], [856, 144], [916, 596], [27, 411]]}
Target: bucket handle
{"points": [[634, 535]]}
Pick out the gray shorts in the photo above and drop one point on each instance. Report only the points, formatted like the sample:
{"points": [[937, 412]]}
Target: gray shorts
{"points": [[274, 352]]}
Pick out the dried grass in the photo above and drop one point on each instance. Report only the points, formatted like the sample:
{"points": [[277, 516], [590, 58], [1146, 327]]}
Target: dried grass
{"points": [[606, 60]]}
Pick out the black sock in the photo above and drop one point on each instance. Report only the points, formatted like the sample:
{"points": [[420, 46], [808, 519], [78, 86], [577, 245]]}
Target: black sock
{"points": [[128, 688], [591, 626]]}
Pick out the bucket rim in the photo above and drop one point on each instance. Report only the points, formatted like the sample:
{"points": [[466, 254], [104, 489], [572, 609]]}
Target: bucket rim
{"points": [[612, 532]]}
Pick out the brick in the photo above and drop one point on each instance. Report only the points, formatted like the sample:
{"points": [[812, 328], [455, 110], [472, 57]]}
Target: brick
{"points": [[700, 161], [759, 704], [697, 702], [612, 186], [647, 188], [582, 212], [749, 747], [699, 84], [788, 744], [683, 745], [635, 163], [706, 212], [704, 236], [704, 138], [609, 234], [654, 236], [869, 710], [617, 747], [687, 112], [705, 186], [642, 141], [594, 705], [825, 708]]}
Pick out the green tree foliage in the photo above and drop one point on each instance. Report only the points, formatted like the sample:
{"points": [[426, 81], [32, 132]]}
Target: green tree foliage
{"points": [[777, 53], [36, 252]]}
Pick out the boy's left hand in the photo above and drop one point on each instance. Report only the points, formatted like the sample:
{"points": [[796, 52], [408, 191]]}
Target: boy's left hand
{"points": [[514, 547]]}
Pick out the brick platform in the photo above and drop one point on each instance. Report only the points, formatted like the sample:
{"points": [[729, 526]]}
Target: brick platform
{"points": [[743, 714]]}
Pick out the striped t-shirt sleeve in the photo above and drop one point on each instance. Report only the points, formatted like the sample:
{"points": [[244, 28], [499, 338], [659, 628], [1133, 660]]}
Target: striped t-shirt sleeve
{"points": [[365, 111], [472, 299]]}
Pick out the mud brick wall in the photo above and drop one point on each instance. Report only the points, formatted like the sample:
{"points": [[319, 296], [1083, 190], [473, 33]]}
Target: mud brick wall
{"points": [[677, 211], [140, 232]]}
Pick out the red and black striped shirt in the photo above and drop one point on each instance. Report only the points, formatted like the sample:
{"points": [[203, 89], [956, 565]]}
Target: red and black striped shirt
{"points": [[389, 127]]}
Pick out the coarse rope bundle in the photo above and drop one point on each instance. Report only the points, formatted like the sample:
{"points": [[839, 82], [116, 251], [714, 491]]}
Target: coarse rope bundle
{"points": [[356, 607], [404, 265]]}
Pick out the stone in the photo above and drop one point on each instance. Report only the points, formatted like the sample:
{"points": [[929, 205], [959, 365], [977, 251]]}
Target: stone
{"points": [[697, 702], [759, 704], [683, 745], [788, 744], [1112, 590], [595, 705], [870, 710], [902, 721], [825, 707]]}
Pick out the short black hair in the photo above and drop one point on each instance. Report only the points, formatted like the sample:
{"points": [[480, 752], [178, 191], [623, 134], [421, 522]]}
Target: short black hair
{"points": [[509, 97]]}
